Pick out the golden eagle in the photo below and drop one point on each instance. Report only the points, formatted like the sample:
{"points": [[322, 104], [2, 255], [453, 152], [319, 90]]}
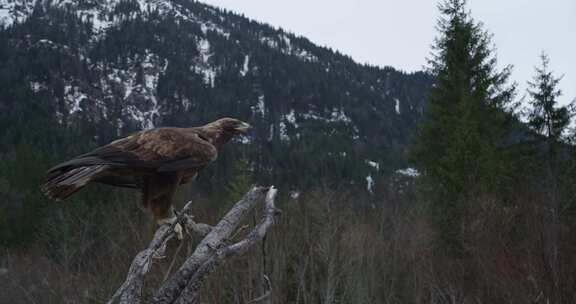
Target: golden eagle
{"points": [[155, 161]]}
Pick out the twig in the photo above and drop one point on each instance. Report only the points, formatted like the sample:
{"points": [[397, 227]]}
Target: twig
{"points": [[266, 294], [169, 270]]}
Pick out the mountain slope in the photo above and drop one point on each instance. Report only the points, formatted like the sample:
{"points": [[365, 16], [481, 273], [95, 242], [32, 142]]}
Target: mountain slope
{"points": [[84, 72]]}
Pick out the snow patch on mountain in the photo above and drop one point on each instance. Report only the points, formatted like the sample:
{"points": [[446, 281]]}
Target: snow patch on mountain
{"points": [[291, 118], [283, 129], [260, 107], [373, 164], [270, 42], [36, 86], [245, 66], [95, 14], [148, 114], [186, 103], [290, 49], [209, 26], [164, 7], [284, 44], [305, 55], [139, 85], [271, 133], [410, 172], [73, 96], [49, 44], [77, 100], [203, 65], [338, 115], [334, 115], [102, 13], [12, 11], [370, 184], [287, 120], [243, 139]]}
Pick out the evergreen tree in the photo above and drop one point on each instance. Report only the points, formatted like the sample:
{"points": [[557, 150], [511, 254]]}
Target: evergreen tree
{"points": [[551, 120], [460, 141], [545, 116]]}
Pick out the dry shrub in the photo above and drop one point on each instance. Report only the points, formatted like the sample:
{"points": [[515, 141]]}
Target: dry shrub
{"points": [[326, 249]]}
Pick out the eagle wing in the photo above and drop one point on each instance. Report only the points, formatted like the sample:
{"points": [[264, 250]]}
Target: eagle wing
{"points": [[156, 150]]}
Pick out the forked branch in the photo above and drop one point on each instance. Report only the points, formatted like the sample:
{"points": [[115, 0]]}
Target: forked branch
{"points": [[183, 286]]}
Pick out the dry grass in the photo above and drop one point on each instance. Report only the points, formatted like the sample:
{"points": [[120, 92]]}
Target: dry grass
{"points": [[324, 251]]}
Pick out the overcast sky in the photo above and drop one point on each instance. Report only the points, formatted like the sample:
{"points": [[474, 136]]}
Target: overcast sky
{"points": [[399, 33]]}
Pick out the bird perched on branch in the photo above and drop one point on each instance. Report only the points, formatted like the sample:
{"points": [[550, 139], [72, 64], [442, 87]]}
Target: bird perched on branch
{"points": [[155, 161]]}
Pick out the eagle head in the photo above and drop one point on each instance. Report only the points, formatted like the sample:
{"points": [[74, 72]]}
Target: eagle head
{"points": [[223, 129], [232, 126]]}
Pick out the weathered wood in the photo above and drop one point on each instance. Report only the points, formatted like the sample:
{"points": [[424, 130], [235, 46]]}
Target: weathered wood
{"points": [[190, 293], [131, 290], [173, 287], [183, 286]]}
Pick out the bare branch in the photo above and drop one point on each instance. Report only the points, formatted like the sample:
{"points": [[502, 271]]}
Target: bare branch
{"points": [[131, 290], [190, 293], [183, 286], [199, 228], [173, 287]]}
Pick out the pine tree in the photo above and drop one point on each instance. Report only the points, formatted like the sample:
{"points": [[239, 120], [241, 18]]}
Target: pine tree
{"points": [[549, 119], [459, 145], [545, 116]]}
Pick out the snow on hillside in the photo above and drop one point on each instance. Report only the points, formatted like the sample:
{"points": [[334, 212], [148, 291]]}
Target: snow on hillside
{"points": [[410, 172], [203, 65], [284, 44], [15, 11]]}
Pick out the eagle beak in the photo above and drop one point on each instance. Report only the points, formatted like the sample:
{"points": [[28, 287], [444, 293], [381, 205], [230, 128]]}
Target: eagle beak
{"points": [[243, 127]]}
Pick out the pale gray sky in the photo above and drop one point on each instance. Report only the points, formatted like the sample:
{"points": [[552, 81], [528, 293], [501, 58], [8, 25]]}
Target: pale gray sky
{"points": [[399, 33]]}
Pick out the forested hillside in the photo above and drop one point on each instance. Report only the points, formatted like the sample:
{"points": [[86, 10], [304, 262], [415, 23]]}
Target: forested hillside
{"points": [[76, 74]]}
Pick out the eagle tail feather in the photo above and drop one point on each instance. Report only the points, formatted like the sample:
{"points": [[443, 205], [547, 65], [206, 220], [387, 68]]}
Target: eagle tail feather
{"points": [[60, 184]]}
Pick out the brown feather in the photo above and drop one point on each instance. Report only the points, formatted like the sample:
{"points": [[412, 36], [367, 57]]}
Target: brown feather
{"points": [[62, 185], [156, 161]]}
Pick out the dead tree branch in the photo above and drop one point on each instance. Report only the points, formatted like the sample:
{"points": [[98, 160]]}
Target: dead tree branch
{"points": [[190, 293], [183, 286], [131, 290]]}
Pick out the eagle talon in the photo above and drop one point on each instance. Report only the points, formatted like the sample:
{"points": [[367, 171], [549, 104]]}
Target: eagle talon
{"points": [[179, 231], [177, 227]]}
